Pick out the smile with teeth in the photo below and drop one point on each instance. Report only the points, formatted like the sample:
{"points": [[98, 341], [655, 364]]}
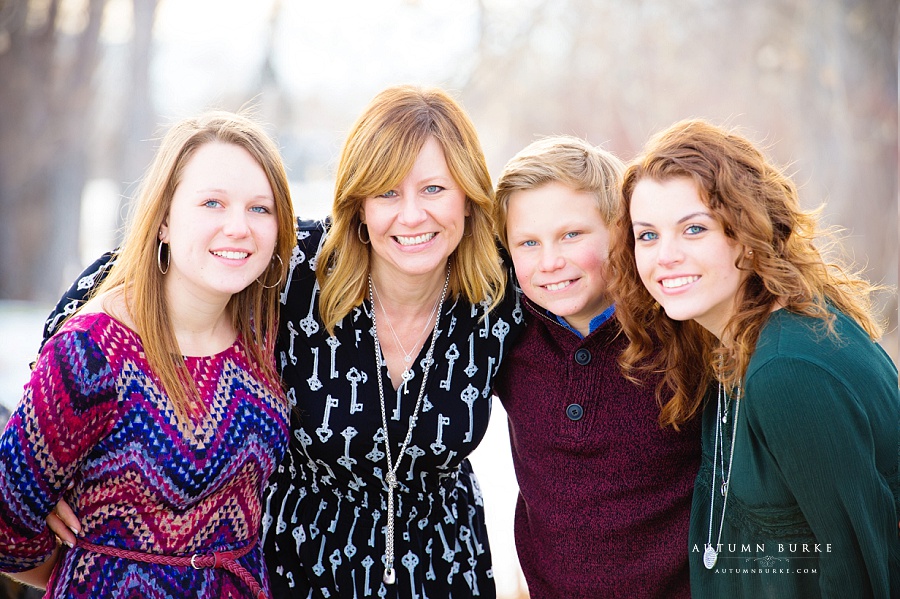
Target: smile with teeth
{"points": [[678, 281], [414, 240], [231, 255], [558, 286]]}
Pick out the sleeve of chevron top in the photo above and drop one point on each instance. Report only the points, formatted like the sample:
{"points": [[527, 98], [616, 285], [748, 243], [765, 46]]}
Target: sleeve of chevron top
{"points": [[67, 407]]}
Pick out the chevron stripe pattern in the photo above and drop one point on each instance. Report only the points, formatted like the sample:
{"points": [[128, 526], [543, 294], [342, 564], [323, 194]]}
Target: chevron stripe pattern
{"points": [[143, 478]]}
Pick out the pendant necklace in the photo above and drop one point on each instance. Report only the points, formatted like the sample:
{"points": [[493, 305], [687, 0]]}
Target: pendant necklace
{"points": [[390, 477], [407, 356], [711, 554]]}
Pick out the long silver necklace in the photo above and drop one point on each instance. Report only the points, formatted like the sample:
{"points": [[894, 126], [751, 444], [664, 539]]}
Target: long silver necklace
{"points": [[407, 355], [390, 477], [711, 554]]}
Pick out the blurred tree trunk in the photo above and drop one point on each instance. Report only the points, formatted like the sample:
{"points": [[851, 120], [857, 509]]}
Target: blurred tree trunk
{"points": [[131, 150], [47, 90], [847, 108]]}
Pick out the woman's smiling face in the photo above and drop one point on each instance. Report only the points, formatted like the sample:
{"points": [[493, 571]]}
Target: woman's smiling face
{"points": [[221, 227], [682, 254], [415, 227]]}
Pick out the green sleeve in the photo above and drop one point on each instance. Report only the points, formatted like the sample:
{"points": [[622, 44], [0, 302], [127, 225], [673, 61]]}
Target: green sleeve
{"points": [[824, 438]]}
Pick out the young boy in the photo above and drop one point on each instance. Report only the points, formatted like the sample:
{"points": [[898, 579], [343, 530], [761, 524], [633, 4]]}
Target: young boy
{"points": [[604, 492]]}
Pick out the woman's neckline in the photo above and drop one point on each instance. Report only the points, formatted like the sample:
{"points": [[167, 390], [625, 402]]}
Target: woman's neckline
{"points": [[118, 323]]}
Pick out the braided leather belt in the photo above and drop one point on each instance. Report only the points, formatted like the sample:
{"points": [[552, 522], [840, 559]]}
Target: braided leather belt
{"points": [[227, 560]]}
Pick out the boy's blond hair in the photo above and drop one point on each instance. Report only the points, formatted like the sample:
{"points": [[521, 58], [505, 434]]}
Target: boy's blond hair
{"points": [[560, 159]]}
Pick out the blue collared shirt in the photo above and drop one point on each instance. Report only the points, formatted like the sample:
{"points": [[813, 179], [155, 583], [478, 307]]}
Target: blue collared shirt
{"points": [[596, 322]]}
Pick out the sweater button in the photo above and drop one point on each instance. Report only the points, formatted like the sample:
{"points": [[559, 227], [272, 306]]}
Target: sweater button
{"points": [[583, 356], [574, 412]]}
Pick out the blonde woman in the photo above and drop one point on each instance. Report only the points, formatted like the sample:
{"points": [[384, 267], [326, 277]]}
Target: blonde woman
{"points": [[394, 319]]}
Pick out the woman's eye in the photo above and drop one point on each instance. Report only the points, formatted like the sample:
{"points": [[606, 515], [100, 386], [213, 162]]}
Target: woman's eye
{"points": [[212, 203], [433, 189], [695, 229], [571, 234], [647, 236], [388, 194], [530, 243], [261, 209]]}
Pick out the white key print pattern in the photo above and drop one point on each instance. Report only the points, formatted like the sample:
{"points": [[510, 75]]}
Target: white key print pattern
{"points": [[337, 456]]}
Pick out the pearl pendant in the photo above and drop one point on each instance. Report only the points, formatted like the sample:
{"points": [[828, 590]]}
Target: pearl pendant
{"points": [[390, 576], [710, 556], [407, 359], [724, 489]]}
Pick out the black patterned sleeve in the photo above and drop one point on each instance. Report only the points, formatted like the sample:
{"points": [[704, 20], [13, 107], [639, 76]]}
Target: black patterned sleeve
{"points": [[77, 294]]}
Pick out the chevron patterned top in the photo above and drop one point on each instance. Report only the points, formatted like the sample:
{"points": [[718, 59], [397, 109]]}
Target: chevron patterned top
{"points": [[143, 479]]}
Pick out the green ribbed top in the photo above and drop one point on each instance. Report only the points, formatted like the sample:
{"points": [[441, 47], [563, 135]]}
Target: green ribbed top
{"points": [[814, 497]]}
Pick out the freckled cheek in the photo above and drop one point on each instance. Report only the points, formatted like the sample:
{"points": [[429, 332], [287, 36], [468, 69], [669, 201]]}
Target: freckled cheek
{"points": [[526, 279], [524, 276]]}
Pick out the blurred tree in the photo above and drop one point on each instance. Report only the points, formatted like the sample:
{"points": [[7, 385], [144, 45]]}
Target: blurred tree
{"points": [[49, 54], [130, 154], [47, 61]]}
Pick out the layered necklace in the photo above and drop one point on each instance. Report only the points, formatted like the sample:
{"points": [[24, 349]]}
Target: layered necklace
{"points": [[711, 553], [390, 477], [407, 355]]}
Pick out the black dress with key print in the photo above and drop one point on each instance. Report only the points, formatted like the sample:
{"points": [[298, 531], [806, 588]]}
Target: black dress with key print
{"points": [[324, 533]]}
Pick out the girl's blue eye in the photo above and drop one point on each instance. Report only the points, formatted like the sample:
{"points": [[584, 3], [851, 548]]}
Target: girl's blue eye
{"points": [[647, 236], [433, 189], [211, 203], [261, 209], [571, 234], [530, 243], [388, 194], [695, 229]]}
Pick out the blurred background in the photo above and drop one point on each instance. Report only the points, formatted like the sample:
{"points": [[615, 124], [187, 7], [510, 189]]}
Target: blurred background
{"points": [[87, 85]]}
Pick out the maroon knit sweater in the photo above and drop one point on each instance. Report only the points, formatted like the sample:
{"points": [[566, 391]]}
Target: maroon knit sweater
{"points": [[604, 493]]}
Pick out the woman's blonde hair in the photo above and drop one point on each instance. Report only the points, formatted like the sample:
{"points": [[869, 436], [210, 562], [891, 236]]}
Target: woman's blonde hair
{"points": [[560, 159], [254, 310], [379, 152], [758, 206]]}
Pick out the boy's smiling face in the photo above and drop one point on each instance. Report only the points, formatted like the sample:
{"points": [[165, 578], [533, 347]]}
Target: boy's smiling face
{"points": [[559, 245]]}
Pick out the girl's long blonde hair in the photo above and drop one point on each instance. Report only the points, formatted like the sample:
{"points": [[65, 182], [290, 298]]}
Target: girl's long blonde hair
{"points": [[254, 310], [758, 206]]}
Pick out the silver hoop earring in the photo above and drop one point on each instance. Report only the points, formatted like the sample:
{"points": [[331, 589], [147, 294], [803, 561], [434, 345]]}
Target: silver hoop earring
{"points": [[280, 274], [159, 257], [359, 234]]}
